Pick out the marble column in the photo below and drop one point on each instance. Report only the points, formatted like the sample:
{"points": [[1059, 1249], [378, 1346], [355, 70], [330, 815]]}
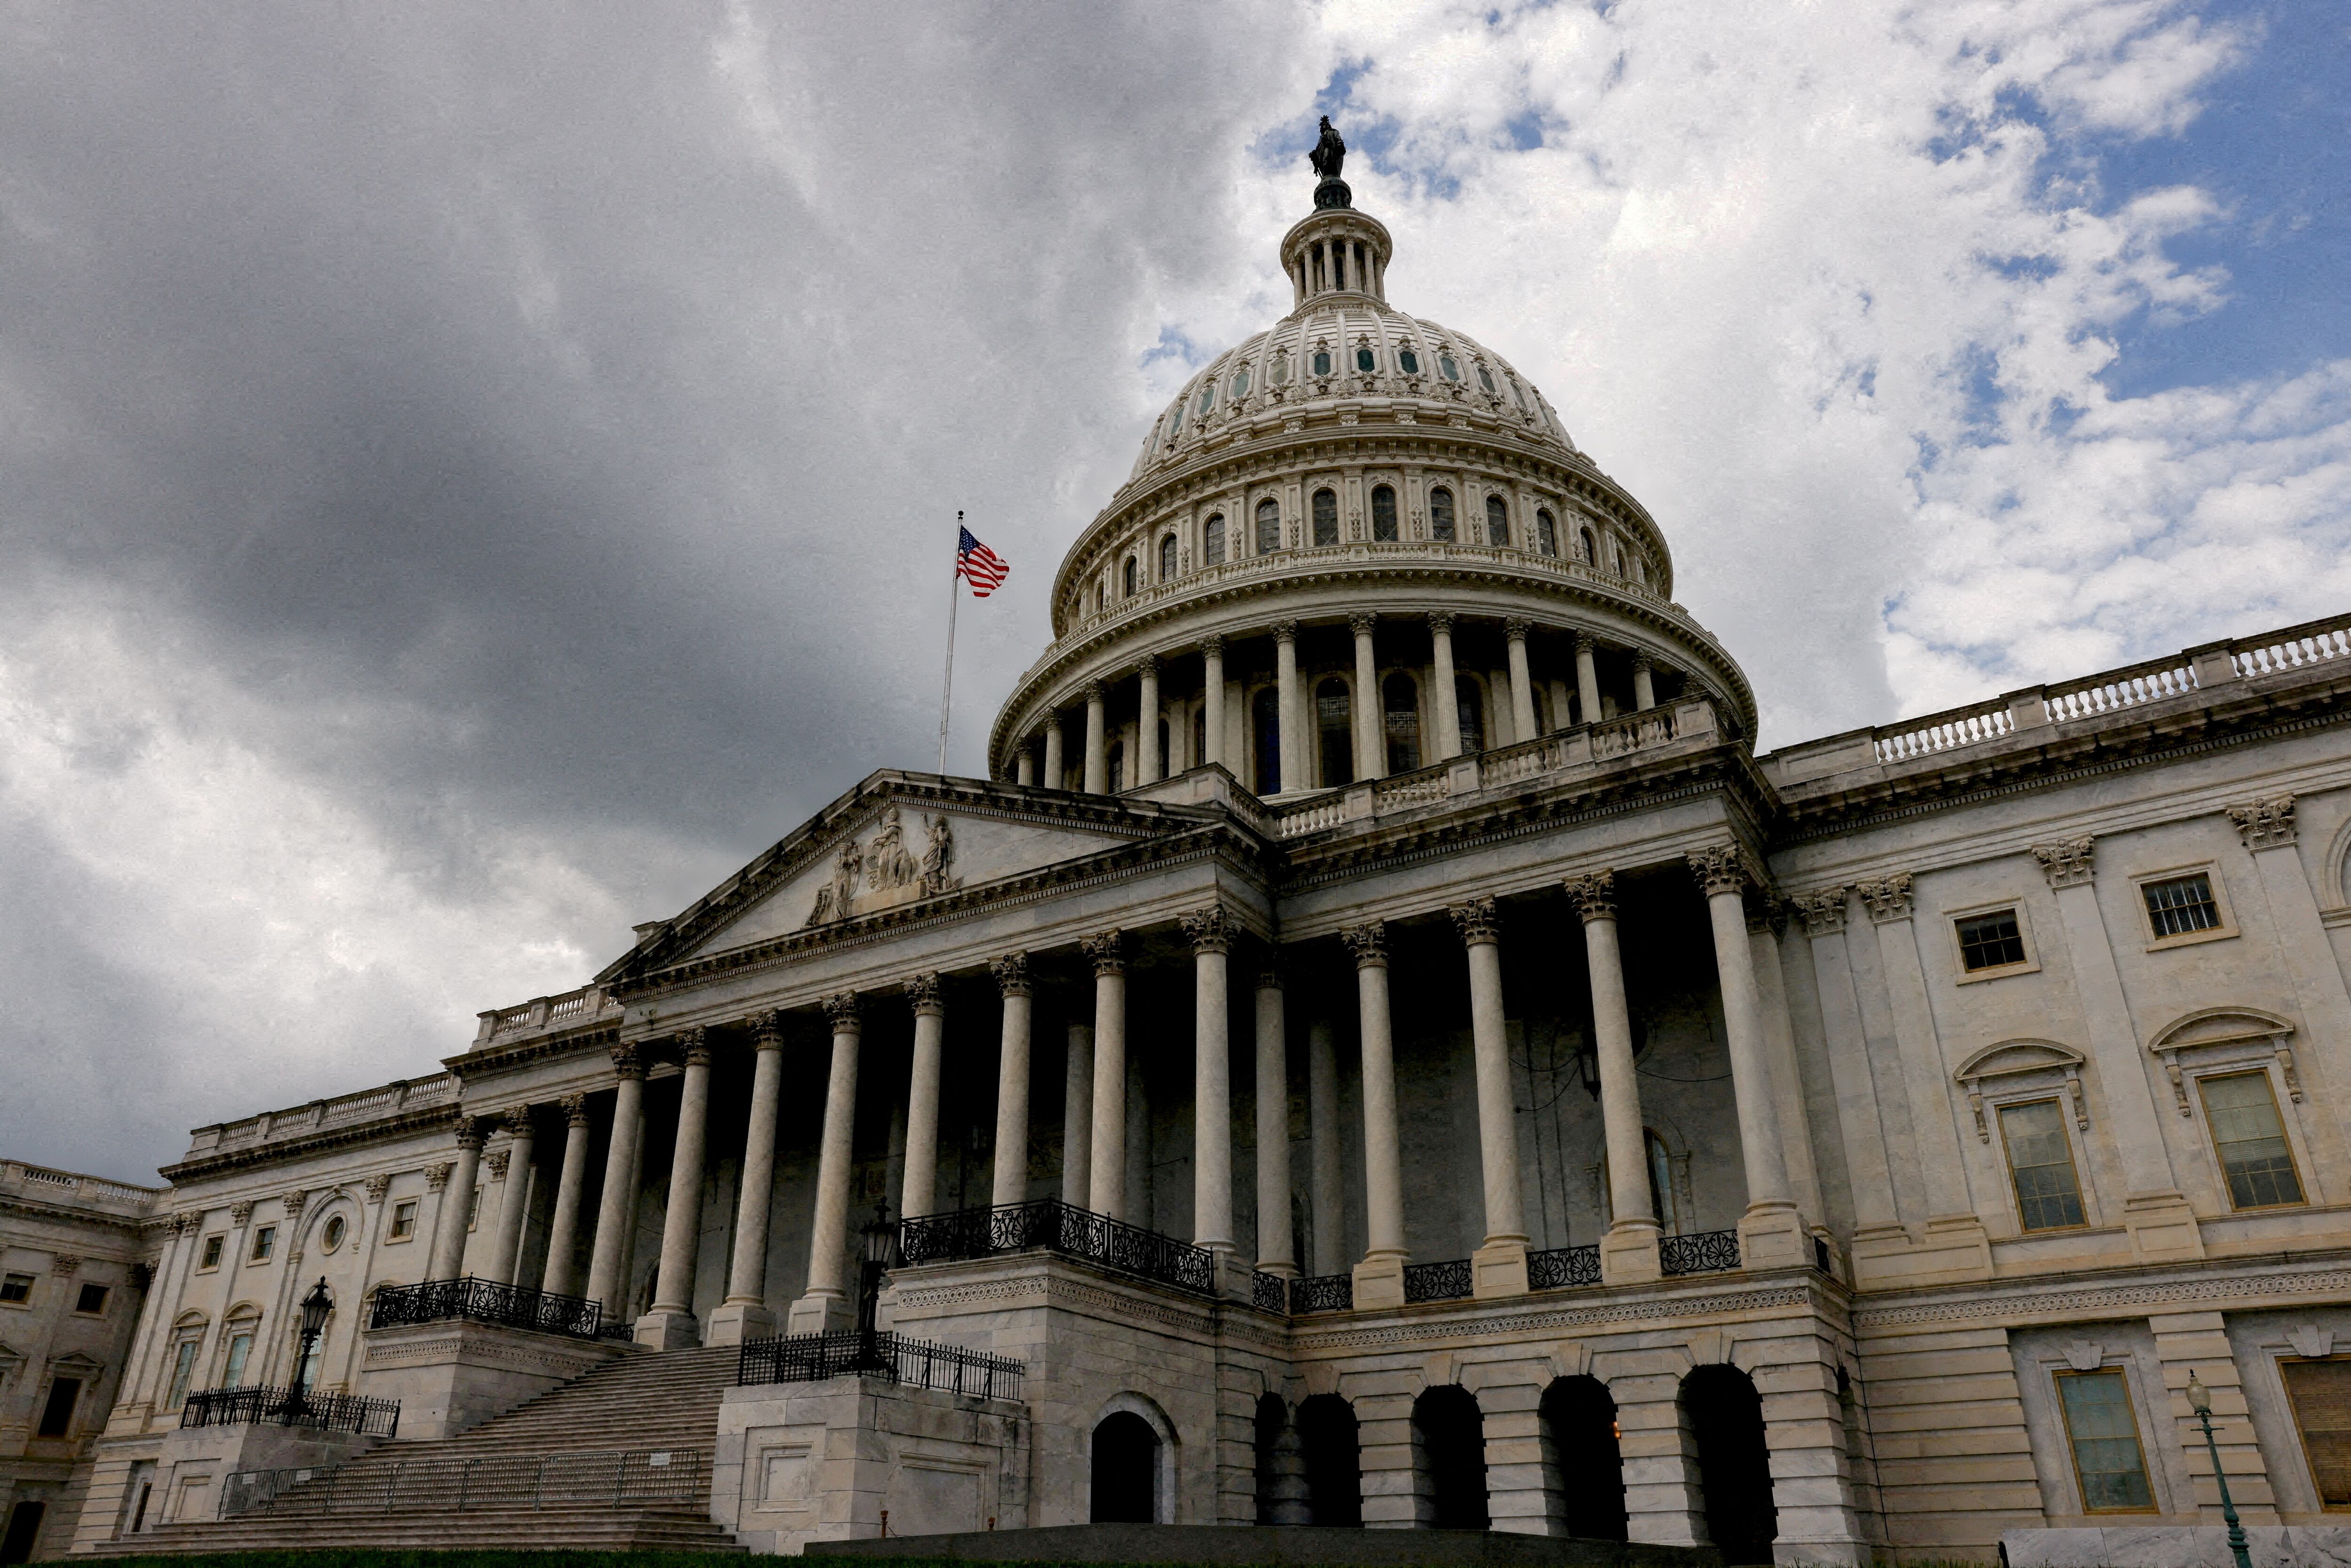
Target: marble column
{"points": [[671, 1324], [1766, 918], [1295, 774], [1148, 764], [826, 1304], [1097, 741], [561, 1277], [1370, 758], [1011, 1185], [922, 1190], [745, 1315], [506, 1255], [1770, 1233], [1078, 1117], [1522, 685], [1644, 686], [1330, 1172], [616, 1212], [1211, 931], [1212, 699], [1024, 765], [1379, 1278], [1446, 703], [1628, 1252], [1106, 1184], [449, 1223], [1587, 682], [1057, 771], [1499, 1265], [1275, 1254]]}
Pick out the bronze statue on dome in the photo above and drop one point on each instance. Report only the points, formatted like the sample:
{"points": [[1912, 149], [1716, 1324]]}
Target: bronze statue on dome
{"points": [[1330, 156]]}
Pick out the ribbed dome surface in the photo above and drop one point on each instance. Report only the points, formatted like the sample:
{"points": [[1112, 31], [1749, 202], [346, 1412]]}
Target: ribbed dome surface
{"points": [[1347, 351]]}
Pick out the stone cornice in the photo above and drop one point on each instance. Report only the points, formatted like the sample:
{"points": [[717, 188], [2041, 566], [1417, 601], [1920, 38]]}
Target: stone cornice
{"points": [[19, 1207], [489, 1059], [2112, 1290], [281, 1151]]}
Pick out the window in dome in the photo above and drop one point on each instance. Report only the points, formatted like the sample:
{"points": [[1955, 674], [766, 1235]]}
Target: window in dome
{"points": [[1366, 361], [1280, 372], [1486, 378], [1590, 553], [1321, 361], [1498, 521], [1131, 576], [1326, 518], [1212, 541], [1384, 518], [1240, 382], [1168, 558], [1176, 422], [1335, 725], [1518, 396], [1440, 515], [1408, 361], [1546, 532], [1268, 527], [1208, 398], [1400, 704], [1265, 732], [1448, 369]]}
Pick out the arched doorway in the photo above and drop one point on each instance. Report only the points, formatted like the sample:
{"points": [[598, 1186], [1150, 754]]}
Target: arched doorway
{"points": [[1125, 1471], [1280, 1468], [1580, 1417], [1725, 1418], [1334, 1461], [1448, 1439]]}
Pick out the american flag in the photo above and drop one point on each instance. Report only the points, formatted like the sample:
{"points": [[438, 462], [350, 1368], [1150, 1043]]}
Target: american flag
{"points": [[979, 565]]}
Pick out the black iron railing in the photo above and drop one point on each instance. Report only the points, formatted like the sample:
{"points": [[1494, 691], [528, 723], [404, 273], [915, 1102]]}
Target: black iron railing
{"points": [[813, 1358], [1324, 1294], [1557, 1268], [1437, 1282], [1056, 1226], [486, 1302], [1268, 1292], [259, 1407], [637, 1478], [1707, 1252]]}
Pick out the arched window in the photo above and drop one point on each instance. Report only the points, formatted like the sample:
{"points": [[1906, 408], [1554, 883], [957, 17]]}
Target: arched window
{"points": [[1485, 378], [1326, 518], [1408, 361], [1208, 398], [1335, 727], [1321, 361], [1366, 361], [1471, 707], [1725, 1416], [1440, 515], [1129, 578], [1400, 706], [1269, 526], [1383, 516], [1240, 382], [1125, 1471], [1265, 738], [1580, 1417], [1498, 521], [1329, 1435], [1168, 558], [1546, 532], [1588, 552], [1446, 367], [1212, 541], [1448, 1441], [1280, 373], [242, 1326], [1176, 421]]}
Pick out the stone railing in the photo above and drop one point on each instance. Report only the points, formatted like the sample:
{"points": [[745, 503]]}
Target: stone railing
{"points": [[344, 1109], [2314, 643], [40, 1181], [579, 1007]]}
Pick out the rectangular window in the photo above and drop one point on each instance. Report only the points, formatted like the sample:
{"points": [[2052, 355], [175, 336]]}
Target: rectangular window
{"points": [[92, 1299], [2320, 1392], [16, 1289], [57, 1416], [403, 1220], [2181, 905], [2249, 1140], [473, 1210], [2104, 1434], [265, 1242], [1991, 941], [184, 1368], [240, 1350], [2040, 1164], [213, 1245]]}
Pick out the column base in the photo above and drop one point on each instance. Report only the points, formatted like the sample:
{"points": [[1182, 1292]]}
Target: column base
{"points": [[2163, 1229], [1379, 1281], [668, 1328], [1628, 1253], [820, 1314], [1950, 1248], [1772, 1236], [737, 1321], [1499, 1269]]}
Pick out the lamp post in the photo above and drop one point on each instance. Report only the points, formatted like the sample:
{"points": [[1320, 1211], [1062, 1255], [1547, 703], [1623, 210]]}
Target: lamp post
{"points": [[2199, 1399], [881, 1253], [315, 1308]]}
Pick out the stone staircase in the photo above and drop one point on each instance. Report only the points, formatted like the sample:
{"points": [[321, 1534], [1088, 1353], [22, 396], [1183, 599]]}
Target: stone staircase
{"points": [[507, 1482]]}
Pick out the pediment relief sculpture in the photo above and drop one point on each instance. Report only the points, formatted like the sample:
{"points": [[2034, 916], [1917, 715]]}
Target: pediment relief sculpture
{"points": [[2017, 1058], [885, 871], [2226, 1027]]}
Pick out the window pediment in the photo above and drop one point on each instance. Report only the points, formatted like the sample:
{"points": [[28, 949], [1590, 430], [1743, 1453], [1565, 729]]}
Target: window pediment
{"points": [[2018, 1058], [2251, 1031]]}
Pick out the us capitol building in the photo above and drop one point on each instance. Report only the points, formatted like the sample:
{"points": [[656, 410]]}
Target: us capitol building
{"points": [[1380, 1047]]}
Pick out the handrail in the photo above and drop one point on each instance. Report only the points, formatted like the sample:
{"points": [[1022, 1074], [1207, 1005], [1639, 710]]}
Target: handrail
{"points": [[486, 1302], [1702, 1252], [1056, 1226], [1446, 1281], [813, 1358], [259, 1406], [1560, 1267]]}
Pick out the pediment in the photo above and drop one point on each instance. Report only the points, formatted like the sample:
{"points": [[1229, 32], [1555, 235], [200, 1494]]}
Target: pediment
{"points": [[2221, 1026], [2011, 1057]]}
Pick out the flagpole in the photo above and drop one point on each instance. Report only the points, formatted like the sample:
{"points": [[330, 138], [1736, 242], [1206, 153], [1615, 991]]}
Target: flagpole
{"points": [[947, 686]]}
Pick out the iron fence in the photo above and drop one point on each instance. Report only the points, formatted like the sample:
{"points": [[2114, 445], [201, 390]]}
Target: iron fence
{"points": [[1268, 1292], [1707, 1252], [259, 1406], [634, 1478], [1056, 1226], [1437, 1282], [487, 1301], [1324, 1294], [1557, 1268], [813, 1357]]}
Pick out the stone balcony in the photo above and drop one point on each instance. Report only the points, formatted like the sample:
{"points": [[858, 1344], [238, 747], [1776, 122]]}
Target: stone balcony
{"points": [[72, 1189]]}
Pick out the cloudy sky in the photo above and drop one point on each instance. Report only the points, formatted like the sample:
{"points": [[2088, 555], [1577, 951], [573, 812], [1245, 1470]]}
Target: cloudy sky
{"points": [[470, 475]]}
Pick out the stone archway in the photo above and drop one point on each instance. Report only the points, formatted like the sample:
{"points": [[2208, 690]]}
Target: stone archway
{"points": [[1579, 1416], [1332, 1448], [1725, 1417], [1448, 1433], [1131, 1473]]}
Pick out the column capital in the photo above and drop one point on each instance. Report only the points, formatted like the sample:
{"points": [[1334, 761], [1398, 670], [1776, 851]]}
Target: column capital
{"points": [[2265, 824], [1641, 660], [517, 1121], [1766, 910], [1107, 951], [470, 1132], [845, 1009], [436, 1177], [1516, 628], [494, 1163], [1268, 974], [1720, 869], [1593, 895], [1285, 631], [1011, 973], [1584, 642], [767, 1030], [693, 1046], [1147, 666], [1821, 911], [627, 1061], [1213, 645], [294, 1200], [2068, 862], [1888, 897], [1368, 943], [575, 1110], [378, 1185], [1362, 621], [1477, 921], [1209, 930], [1093, 692], [238, 1213], [1440, 623], [923, 991]]}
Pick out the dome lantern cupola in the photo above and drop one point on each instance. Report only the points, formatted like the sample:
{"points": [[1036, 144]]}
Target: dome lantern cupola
{"points": [[1337, 252]]}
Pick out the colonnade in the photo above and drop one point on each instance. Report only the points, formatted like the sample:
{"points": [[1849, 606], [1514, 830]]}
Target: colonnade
{"points": [[1096, 1126]]}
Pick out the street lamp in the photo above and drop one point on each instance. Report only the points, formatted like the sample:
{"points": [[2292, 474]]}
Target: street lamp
{"points": [[2200, 1400], [315, 1308], [881, 1253]]}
